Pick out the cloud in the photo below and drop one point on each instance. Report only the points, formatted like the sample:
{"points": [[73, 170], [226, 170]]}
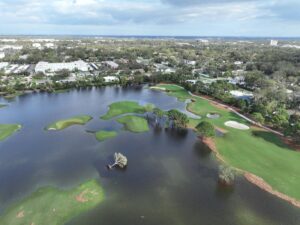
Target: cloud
{"points": [[202, 2], [156, 15]]}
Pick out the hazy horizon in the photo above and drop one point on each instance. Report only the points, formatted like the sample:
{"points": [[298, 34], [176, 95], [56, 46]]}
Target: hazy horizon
{"points": [[214, 18]]}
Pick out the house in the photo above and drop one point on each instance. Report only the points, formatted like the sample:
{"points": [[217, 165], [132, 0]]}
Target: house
{"points": [[2, 55], [238, 72], [240, 94], [111, 64], [238, 63], [142, 61], [238, 80], [191, 81], [49, 45], [46, 67], [37, 45], [190, 62], [164, 69], [12, 47], [273, 43], [109, 79]]}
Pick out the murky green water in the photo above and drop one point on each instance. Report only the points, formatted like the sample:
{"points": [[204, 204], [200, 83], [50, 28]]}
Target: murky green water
{"points": [[171, 177]]}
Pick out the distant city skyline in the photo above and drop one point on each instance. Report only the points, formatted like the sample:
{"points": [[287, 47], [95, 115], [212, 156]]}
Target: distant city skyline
{"points": [[246, 18]]}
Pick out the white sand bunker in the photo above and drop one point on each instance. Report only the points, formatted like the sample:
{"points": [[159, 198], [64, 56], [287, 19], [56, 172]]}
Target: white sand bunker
{"points": [[236, 125], [213, 115]]}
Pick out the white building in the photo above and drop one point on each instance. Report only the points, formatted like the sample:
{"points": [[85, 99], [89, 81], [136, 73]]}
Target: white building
{"points": [[238, 63], [13, 47], [3, 65], [241, 94], [2, 55], [37, 45], [238, 80], [274, 43], [110, 79], [111, 64], [46, 67], [190, 62], [49, 45]]}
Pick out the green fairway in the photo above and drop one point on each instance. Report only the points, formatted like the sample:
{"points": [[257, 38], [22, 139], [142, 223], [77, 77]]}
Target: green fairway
{"points": [[7, 130], [259, 152], [62, 124], [120, 108], [134, 123], [54, 206], [103, 135]]}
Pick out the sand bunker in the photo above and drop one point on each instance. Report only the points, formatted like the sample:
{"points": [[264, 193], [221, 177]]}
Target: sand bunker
{"points": [[213, 115], [236, 125]]}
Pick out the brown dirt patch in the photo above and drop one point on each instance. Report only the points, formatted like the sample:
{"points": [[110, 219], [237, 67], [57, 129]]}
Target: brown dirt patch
{"points": [[266, 187], [81, 198], [291, 143], [221, 130], [218, 106], [210, 142], [20, 214]]}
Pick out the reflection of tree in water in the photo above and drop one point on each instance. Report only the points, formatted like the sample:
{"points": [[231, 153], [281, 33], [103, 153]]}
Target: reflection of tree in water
{"points": [[201, 149], [177, 134]]}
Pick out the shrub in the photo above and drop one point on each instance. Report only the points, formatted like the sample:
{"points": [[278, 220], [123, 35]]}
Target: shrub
{"points": [[226, 175], [206, 129]]}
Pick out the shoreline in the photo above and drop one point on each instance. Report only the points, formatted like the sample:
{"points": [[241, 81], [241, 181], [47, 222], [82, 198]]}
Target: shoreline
{"points": [[252, 178]]}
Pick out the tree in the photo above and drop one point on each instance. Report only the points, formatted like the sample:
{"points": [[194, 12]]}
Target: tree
{"points": [[177, 119], [226, 175], [258, 117], [158, 115], [206, 129]]}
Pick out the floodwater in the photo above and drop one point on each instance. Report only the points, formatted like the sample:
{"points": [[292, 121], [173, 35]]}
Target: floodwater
{"points": [[171, 178]]}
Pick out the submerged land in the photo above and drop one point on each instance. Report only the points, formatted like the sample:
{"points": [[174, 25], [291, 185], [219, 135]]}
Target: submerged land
{"points": [[223, 82], [256, 151], [54, 206], [63, 124], [103, 135], [6, 130]]}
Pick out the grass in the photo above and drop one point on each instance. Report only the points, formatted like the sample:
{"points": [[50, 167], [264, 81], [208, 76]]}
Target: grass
{"points": [[62, 124], [54, 206], [120, 108], [6, 130], [103, 135], [2, 105], [134, 124], [259, 152]]}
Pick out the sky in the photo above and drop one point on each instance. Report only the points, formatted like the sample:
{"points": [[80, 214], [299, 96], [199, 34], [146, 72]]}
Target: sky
{"points": [[257, 18]]}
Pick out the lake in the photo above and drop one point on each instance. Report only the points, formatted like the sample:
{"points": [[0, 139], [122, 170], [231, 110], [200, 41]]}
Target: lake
{"points": [[171, 178]]}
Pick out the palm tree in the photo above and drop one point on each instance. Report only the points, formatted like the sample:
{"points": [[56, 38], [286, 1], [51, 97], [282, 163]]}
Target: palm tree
{"points": [[158, 115]]}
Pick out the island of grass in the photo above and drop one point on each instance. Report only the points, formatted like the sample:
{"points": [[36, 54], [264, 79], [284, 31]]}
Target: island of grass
{"points": [[2, 105], [256, 151], [62, 124], [6, 130], [103, 135], [120, 108], [54, 206], [134, 124]]}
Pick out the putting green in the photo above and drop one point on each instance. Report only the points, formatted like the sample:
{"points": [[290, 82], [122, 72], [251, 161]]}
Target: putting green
{"points": [[120, 108], [134, 123], [62, 124], [257, 151], [103, 135], [6, 130], [54, 206]]}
